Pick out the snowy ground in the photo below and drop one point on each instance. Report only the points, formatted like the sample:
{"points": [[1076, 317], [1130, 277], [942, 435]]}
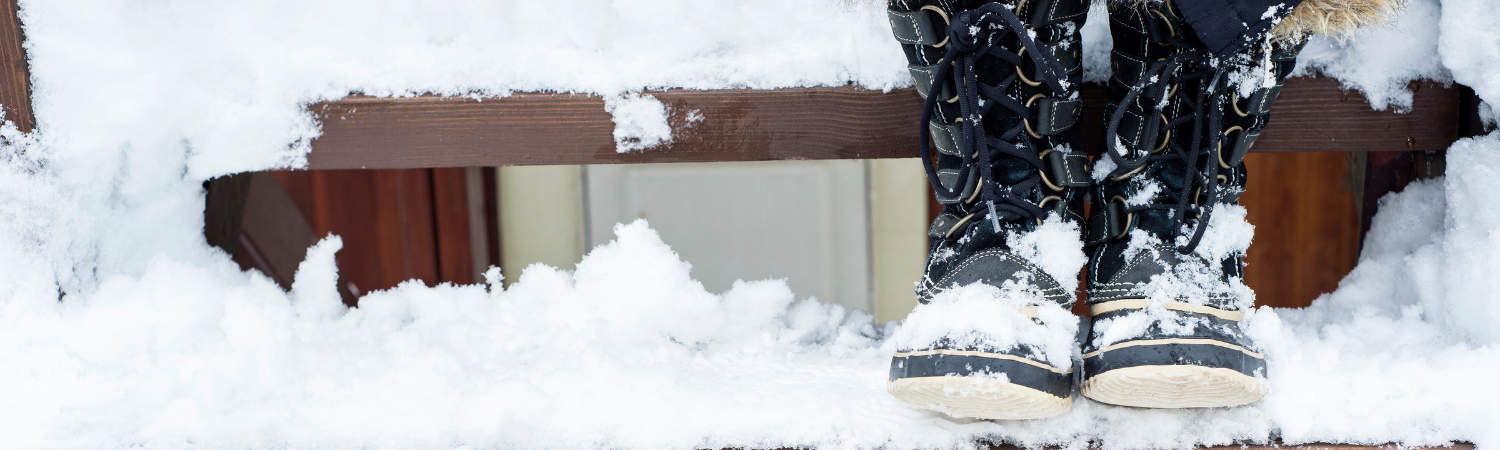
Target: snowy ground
{"points": [[120, 328]]}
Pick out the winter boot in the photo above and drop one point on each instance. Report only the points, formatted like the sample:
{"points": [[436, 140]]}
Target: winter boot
{"points": [[1165, 234], [1000, 83]]}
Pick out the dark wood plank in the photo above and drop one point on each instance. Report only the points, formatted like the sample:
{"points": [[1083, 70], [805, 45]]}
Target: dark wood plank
{"points": [[491, 199], [454, 236], [1313, 114], [404, 224], [371, 211], [223, 208], [341, 202], [15, 78], [1306, 226], [1316, 114], [274, 233], [541, 129], [480, 201]]}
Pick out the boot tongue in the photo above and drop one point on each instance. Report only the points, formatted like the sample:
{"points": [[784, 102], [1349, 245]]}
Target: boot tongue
{"points": [[1007, 170], [1010, 170], [1170, 174]]}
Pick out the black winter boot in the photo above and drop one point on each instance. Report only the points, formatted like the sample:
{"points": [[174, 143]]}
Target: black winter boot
{"points": [[1000, 82], [1166, 234]]}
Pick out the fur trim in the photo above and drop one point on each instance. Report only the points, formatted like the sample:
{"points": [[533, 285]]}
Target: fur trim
{"points": [[1337, 18]]}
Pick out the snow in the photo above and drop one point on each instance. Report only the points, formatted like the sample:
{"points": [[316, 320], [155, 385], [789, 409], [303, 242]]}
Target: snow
{"points": [[1097, 44], [1380, 61], [1404, 343], [120, 328], [640, 122], [1054, 247], [1470, 46], [990, 318]]}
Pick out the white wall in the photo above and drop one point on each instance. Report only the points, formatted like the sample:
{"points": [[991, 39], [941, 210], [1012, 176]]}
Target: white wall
{"points": [[845, 231], [541, 217], [804, 221]]}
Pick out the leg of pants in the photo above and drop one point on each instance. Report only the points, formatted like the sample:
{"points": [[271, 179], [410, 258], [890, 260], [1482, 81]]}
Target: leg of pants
{"points": [[1228, 26]]}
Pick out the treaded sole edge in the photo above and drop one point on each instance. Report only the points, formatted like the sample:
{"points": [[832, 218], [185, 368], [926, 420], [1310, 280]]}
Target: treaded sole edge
{"points": [[1174, 386], [979, 397]]}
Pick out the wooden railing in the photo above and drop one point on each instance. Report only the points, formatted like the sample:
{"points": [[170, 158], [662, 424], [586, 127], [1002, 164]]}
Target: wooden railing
{"points": [[1312, 114]]}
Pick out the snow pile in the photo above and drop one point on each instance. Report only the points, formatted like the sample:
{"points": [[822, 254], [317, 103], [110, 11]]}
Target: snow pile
{"points": [[119, 327], [628, 352], [1470, 46], [1434, 255], [228, 80], [1406, 342], [1381, 60]]}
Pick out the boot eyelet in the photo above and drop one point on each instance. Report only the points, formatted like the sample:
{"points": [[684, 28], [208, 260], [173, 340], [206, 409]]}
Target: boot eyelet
{"points": [[1129, 217], [1168, 22], [1026, 122], [978, 187], [1043, 204], [956, 226], [946, 21], [1165, 140], [1023, 75], [1129, 174], [1221, 144], [1234, 100], [1043, 173], [955, 93]]}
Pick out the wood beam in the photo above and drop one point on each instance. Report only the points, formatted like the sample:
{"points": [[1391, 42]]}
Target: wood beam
{"points": [[1312, 114], [15, 78]]}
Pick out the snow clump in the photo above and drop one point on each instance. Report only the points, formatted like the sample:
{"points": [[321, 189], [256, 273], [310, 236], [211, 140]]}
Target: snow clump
{"points": [[640, 122]]}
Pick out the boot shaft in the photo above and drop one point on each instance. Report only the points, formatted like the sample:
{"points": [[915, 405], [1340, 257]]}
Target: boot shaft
{"points": [[1179, 122], [999, 82]]}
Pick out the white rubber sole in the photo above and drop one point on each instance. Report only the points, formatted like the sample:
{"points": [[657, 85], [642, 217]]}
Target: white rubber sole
{"points": [[979, 397], [1174, 387]]}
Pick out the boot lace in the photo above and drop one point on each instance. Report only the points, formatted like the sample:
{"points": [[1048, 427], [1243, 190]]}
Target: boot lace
{"points": [[1200, 154], [972, 35]]}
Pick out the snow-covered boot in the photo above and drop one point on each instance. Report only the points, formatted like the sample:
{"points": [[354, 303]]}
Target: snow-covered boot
{"points": [[1165, 234], [1000, 83]]}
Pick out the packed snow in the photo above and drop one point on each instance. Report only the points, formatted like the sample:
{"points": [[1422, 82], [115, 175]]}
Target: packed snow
{"points": [[120, 327]]}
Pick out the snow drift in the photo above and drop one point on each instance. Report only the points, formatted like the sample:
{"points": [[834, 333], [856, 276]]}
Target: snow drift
{"points": [[120, 328]]}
